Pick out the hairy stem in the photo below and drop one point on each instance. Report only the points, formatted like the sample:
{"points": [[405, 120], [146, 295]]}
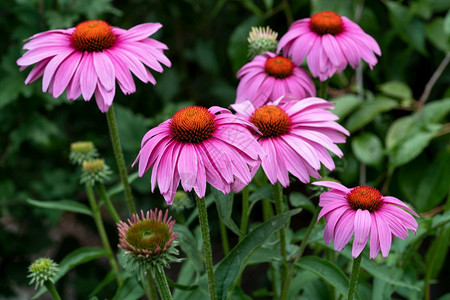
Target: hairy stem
{"points": [[115, 140]]}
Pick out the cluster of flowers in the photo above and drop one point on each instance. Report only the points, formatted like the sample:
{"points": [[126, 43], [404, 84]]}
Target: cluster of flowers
{"points": [[278, 122]]}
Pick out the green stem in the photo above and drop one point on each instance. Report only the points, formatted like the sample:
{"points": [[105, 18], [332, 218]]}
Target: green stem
{"points": [[203, 219], [115, 140], [150, 291], [224, 236], [161, 282], [52, 290], [244, 216], [288, 12], [287, 282], [102, 232], [278, 196], [354, 277], [323, 86], [104, 195]]}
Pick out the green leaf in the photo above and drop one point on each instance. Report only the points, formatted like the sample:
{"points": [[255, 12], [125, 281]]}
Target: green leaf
{"points": [[380, 271], [73, 259], [238, 44], [436, 34], [398, 130], [346, 104], [436, 111], [368, 148], [228, 270], [437, 253], [396, 89], [189, 245], [408, 28], [132, 127], [409, 148], [327, 271], [433, 186], [65, 205], [368, 111], [129, 290], [224, 204], [297, 199]]}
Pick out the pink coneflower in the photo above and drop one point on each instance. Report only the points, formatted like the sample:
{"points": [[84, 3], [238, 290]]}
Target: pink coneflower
{"points": [[199, 145], [296, 136], [269, 76], [364, 211], [329, 42], [147, 235], [87, 59]]}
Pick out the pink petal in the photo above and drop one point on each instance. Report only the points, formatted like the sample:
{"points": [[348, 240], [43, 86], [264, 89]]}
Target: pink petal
{"points": [[333, 185], [374, 240], [88, 79], [384, 234], [362, 229], [65, 72], [104, 69], [344, 230]]}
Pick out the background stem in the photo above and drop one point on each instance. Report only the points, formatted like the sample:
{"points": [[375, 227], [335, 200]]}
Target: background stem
{"points": [[115, 140], [203, 219]]}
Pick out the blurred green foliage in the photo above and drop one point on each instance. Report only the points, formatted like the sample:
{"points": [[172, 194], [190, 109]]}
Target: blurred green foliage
{"points": [[403, 143]]}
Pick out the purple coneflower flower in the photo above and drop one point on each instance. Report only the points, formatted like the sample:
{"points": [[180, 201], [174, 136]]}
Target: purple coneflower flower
{"points": [[269, 76], [199, 145], [364, 211], [329, 42], [88, 58], [147, 235], [295, 136]]}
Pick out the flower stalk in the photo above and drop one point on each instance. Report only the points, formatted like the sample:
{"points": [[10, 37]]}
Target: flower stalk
{"points": [[115, 140], [203, 219], [161, 282], [52, 289], [102, 232], [278, 196], [354, 277]]}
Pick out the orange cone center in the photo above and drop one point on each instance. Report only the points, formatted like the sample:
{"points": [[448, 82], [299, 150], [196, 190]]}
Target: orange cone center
{"points": [[193, 124], [364, 197], [279, 67], [93, 36], [272, 121], [326, 22]]}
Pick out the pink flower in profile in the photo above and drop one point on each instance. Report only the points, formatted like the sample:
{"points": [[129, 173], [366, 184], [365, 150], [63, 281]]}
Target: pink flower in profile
{"points": [[88, 58], [147, 235], [268, 77], [364, 211], [329, 42], [295, 135], [199, 145]]}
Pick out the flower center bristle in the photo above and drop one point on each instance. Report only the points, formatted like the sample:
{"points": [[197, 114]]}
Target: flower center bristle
{"points": [[364, 197], [326, 22], [271, 120], [93, 36], [193, 124], [279, 67], [148, 235]]}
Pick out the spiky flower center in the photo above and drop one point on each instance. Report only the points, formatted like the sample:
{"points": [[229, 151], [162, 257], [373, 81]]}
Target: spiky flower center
{"points": [[93, 165], [193, 124], [93, 36], [279, 67], [326, 22], [272, 121], [148, 235], [364, 197]]}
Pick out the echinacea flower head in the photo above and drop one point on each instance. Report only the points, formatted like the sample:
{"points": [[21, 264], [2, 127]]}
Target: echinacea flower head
{"points": [[89, 58], [93, 171], [82, 151], [148, 238], [269, 76], [329, 42], [199, 145], [261, 40], [365, 212], [295, 136], [42, 270]]}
